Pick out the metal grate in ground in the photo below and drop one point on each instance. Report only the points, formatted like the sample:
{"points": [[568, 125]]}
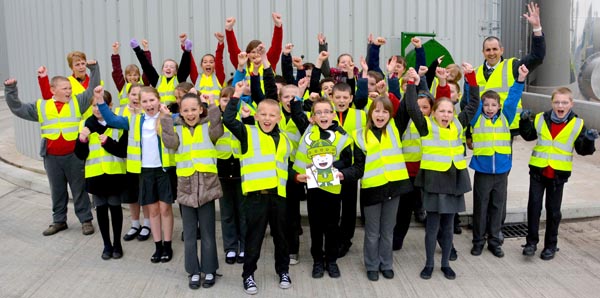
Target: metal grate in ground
{"points": [[514, 230]]}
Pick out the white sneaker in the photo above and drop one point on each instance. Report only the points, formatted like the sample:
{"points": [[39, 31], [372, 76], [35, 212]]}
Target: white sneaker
{"points": [[294, 259], [285, 282], [250, 286]]}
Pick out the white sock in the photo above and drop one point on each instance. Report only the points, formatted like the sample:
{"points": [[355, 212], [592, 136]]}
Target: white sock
{"points": [[147, 222], [241, 254], [134, 224], [231, 254], [209, 276]]}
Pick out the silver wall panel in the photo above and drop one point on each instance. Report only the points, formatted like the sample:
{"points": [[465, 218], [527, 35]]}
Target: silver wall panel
{"points": [[42, 32]]}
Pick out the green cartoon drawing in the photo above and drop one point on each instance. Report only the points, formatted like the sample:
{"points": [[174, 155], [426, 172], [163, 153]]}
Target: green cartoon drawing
{"points": [[322, 153]]}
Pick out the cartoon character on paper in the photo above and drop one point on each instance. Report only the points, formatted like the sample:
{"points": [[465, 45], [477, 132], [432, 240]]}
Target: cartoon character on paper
{"points": [[321, 152]]}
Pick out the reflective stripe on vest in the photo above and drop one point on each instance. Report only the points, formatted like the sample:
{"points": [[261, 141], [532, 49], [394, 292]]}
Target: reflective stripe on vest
{"points": [[166, 90], [558, 152], [384, 159], [411, 143], [249, 70], [227, 145], [443, 147], [303, 161], [206, 84], [263, 166], [53, 123], [195, 152], [490, 138], [99, 161], [500, 81], [134, 145], [355, 119], [291, 131]]}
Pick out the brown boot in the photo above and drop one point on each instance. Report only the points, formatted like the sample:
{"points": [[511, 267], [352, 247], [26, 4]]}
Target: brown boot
{"points": [[55, 228], [87, 228]]}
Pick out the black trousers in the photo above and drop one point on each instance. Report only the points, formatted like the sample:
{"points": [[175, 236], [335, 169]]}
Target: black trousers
{"points": [[554, 194], [348, 219], [294, 194], [405, 209], [260, 210], [489, 207], [323, 217]]}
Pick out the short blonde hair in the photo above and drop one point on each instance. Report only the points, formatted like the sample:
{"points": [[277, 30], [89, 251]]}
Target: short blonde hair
{"points": [[74, 56], [563, 91]]}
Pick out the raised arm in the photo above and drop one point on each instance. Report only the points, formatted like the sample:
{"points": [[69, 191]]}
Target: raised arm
{"points": [[111, 119], [219, 67], [147, 67], [323, 48], [277, 41], [117, 70], [538, 42], [509, 109], [184, 65], [85, 99], [287, 69], [467, 114], [411, 103], [44, 82], [236, 127], [373, 55], [168, 135], [232, 44], [26, 111]]}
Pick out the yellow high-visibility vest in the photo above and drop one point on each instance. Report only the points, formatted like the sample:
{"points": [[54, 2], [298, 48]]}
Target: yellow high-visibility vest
{"points": [[558, 152], [411, 143], [227, 145], [166, 90], [490, 138], [355, 119], [134, 147], [53, 123], [263, 166], [500, 81], [99, 161], [206, 84], [384, 159], [195, 152], [443, 147]]}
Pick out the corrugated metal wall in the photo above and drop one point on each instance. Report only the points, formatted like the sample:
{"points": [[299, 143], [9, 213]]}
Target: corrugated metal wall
{"points": [[42, 32]]}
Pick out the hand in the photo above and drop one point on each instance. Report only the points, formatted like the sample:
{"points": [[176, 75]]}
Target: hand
{"points": [[134, 43], [302, 85], [370, 38], [381, 87], [242, 59], [416, 42], [220, 37], [314, 96], [379, 41], [182, 38], [277, 19], [526, 114], [99, 94], [364, 65], [302, 178], [523, 72], [321, 38], [188, 45], [391, 66], [115, 49], [422, 70], [323, 56], [42, 72], [440, 59], [145, 45], [412, 74], [245, 111], [297, 62], [229, 22], [103, 138], [164, 109], [533, 15], [373, 94], [206, 98], [193, 91], [340, 175], [261, 49], [470, 143], [91, 62], [591, 134], [240, 88], [467, 68], [84, 134], [288, 49], [441, 73], [10, 81]]}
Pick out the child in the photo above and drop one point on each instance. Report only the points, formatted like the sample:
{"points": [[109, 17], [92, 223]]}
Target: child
{"points": [[255, 58], [323, 203], [443, 176], [378, 154], [147, 156], [558, 132], [104, 151], [212, 78], [136, 231], [197, 181], [132, 72], [58, 143], [171, 73], [492, 160], [264, 167], [233, 220]]}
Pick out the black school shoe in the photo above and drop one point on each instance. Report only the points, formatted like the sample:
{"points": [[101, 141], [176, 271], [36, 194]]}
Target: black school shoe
{"points": [[426, 272], [141, 237], [529, 249], [209, 280], [194, 283], [453, 254], [129, 237], [333, 270], [230, 260], [318, 271], [449, 273], [107, 253], [373, 275], [477, 249], [548, 253], [496, 251]]}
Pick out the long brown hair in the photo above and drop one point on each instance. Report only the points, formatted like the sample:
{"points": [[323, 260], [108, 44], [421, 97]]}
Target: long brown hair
{"points": [[387, 105]]}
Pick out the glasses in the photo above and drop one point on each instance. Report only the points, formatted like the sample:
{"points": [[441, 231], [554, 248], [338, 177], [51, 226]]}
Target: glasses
{"points": [[326, 112], [561, 103]]}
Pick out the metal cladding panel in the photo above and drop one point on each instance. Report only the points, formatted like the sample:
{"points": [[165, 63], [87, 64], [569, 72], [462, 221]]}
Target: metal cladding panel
{"points": [[62, 26]]}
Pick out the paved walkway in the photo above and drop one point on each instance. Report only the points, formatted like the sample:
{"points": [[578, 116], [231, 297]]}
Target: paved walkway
{"points": [[68, 264]]}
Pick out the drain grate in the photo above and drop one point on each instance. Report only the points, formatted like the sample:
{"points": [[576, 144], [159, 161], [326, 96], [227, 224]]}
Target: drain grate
{"points": [[514, 230]]}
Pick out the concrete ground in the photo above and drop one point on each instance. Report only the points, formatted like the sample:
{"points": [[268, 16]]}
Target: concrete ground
{"points": [[68, 264]]}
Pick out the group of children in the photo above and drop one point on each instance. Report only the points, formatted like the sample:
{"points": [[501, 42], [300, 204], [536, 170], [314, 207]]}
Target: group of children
{"points": [[265, 142]]}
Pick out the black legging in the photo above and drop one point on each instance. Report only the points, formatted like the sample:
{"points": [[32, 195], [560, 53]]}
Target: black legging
{"points": [[443, 223], [116, 219]]}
